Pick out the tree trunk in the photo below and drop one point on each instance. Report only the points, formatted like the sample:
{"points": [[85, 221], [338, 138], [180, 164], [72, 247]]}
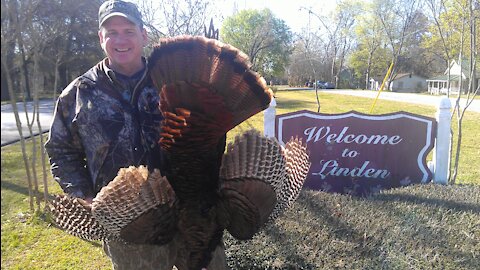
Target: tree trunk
{"points": [[19, 38], [13, 102], [57, 78], [367, 76]]}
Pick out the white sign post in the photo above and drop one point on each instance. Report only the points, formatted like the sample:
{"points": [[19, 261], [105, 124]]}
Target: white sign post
{"points": [[441, 154]]}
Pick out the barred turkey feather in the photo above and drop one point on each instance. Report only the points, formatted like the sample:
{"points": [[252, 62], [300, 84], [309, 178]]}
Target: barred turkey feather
{"points": [[74, 216], [254, 156], [133, 194], [297, 166], [259, 181], [248, 204]]}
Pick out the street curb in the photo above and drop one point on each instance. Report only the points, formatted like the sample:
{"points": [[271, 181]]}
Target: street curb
{"points": [[25, 138]]}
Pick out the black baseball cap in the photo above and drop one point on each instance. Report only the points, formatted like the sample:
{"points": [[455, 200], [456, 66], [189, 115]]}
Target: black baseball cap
{"points": [[119, 8]]}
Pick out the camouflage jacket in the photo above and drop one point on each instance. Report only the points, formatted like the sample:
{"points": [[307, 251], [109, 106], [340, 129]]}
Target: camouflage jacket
{"points": [[96, 130]]}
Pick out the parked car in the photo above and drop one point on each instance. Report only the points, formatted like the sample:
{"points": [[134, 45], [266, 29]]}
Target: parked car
{"points": [[328, 85], [320, 84], [325, 85]]}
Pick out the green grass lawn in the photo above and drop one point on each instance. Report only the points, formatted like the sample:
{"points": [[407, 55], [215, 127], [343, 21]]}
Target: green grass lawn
{"points": [[417, 227]]}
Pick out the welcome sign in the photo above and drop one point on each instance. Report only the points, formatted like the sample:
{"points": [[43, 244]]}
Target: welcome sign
{"points": [[360, 154]]}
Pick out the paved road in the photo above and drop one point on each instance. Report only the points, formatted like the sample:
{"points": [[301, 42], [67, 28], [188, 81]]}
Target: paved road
{"points": [[10, 132], [9, 126], [406, 97]]}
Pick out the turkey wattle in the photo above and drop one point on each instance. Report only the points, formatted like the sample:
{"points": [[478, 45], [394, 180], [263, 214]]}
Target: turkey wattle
{"points": [[206, 88]]}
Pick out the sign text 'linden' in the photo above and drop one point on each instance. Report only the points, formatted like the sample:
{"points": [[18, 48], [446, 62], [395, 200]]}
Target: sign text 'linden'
{"points": [[357, 153]]}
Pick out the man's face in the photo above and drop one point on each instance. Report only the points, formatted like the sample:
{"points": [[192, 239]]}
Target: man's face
{"points": [[123, 43]]}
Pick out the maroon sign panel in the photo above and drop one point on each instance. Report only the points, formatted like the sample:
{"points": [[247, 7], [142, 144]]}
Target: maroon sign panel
{"points": [[360, 154]]}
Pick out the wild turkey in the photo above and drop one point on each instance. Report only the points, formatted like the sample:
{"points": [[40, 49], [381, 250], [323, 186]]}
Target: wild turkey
{"points": [[206, 88]]}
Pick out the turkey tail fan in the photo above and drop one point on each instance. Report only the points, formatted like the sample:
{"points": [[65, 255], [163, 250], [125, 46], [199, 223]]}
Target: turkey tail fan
{"points": [[297, 166], [137, 206], [253, 171], [211, 79], [74, 216]]}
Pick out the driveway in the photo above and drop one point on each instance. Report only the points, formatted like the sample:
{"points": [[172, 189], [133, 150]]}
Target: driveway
{"points": [[9, 126]]}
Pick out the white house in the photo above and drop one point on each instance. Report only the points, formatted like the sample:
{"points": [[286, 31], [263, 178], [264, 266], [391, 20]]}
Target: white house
{"points": [[402, 82], [438, 84]]}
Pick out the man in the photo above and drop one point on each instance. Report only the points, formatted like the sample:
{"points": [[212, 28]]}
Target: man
{"points": [[108, 119]]}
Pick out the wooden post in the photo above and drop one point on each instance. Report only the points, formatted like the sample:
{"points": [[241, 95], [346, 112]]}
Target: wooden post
{"points": [[269, 119], [441, 154]]}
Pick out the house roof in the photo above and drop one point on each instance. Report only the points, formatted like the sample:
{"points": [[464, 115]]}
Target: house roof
{"points": [[465, 67], [401, 75], [397, 76], [376, 78], [444, 78]]}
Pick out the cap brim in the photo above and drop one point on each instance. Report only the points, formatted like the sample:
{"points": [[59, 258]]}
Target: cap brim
{"points": [[130, 18]]}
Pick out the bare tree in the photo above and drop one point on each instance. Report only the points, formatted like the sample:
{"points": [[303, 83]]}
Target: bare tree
{"points": [[307, 61], [185, 17], [170, 18], [332, 46], [436, 8], [396, 18], [468, 21], [32, 31], [339, 35], [150, 12], [37, 74], [10, 29]]}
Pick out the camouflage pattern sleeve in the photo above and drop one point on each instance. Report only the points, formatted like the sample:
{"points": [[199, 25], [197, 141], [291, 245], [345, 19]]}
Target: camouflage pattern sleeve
{"points": [[67, 157]]}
